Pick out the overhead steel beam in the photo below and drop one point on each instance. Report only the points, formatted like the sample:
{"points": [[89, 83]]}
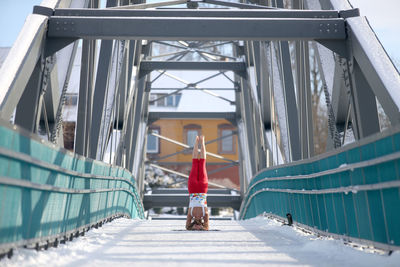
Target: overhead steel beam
{"points": [[146, 65], [215, 13], [182, 200], [179, 28], [185, 191], [154, 116]]}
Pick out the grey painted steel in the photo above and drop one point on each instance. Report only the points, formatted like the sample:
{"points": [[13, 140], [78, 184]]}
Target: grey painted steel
{"points": [[290, 100], [228, 13], [265, 87], [182, 200], [194, 28], [100, 94], [20, 63], [376, 66], [27, 109], [365, 119], [140, 97], [84, 100], [185, 191], [304, 99], [191, 65], [153, 116], [247, 112]]}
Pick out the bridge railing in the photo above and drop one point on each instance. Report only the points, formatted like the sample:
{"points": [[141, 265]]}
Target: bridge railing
{"points": [[49, 194], [352, 193]]}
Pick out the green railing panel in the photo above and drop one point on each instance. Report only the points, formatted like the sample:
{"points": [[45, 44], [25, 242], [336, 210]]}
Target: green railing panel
{"points": [[352, 192], [47, 192]]}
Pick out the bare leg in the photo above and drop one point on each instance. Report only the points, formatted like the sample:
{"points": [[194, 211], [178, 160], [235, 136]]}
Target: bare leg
{"points": [[195, 153], [203, 148]]}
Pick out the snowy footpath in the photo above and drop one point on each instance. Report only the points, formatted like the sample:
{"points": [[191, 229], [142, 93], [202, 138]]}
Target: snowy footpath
{"points": [[258, 241]]}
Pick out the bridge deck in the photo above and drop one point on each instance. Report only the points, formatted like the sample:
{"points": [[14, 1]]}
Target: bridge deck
{"points": [[257, 241]]}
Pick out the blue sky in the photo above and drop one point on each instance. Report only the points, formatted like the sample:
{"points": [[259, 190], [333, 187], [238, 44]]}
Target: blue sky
{"points": [[382, 15]]}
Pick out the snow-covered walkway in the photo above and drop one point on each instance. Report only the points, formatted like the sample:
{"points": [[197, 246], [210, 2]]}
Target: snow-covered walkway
{"points": [[257, 241]]}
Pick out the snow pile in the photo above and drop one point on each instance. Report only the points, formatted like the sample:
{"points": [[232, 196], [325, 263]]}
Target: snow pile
{"points": [[258, 241]]}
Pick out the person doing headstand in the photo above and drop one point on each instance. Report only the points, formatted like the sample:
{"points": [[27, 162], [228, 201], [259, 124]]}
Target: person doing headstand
{"points": [[197, 217]]}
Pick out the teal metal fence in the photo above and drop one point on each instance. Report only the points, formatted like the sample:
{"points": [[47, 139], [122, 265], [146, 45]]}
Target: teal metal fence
{"points": [[351, 193], [48, 193]]}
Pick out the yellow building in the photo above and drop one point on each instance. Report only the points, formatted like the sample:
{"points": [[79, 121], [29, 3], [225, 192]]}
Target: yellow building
{"points": [[185, 131], [223, 171]]}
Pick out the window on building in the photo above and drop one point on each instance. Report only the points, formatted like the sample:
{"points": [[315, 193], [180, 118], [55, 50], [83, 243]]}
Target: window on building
{"points": [[190, 133], [71, 99], [153, 143], [164, 100], [226, 145]]}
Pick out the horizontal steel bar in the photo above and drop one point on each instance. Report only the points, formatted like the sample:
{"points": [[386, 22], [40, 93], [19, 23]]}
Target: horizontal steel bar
{"points": [[52, 167], [185, 191], [146, 65], [25, 183], [182, 200], [193, 89], [343, 189], [179, 28], [215, 13], [343, 168], [191, 115]]}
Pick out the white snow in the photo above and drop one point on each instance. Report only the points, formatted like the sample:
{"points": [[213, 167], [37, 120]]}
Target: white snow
{"points": [[258, 241]]}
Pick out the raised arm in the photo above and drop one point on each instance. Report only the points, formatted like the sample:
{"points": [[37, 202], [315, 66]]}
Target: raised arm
{"points": [[195, 153], [203, 147]]}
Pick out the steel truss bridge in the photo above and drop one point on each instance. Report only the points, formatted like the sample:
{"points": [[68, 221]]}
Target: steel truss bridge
{"points": [[49, 194]]}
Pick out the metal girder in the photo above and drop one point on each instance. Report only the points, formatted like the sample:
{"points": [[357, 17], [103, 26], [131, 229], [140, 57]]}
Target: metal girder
{"points": [[229, 116], [100, 89], [221, 13], [265, 87], [83, 123], [20, 63], [283, 57], [185, 191], [378, 69], [179, 28], [148, 66], [365, 119], [28, 106], [304, 99]]}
